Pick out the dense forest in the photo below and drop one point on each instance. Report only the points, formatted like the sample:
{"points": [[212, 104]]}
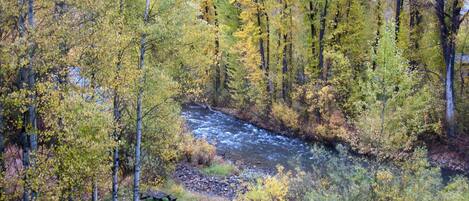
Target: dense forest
{"points": [[91, 94]]}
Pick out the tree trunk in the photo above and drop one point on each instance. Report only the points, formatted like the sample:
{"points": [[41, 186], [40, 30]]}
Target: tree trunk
{"points": [[399, 4], [312, 11], [449, 95], [378, 34], [115, 164], [117, 116], [115, 173], [31, 84], [267, 56], [415, 33], [22, 74], [217, 52], [138, 141], [448, 32], [461, 72], [2, 140], [264, 50], [95, 191], [285, 70], [322, 31], [28, 137], [261, 40]]}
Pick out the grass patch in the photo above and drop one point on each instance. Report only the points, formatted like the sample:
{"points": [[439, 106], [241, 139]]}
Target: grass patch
{"points": [[222, 170], [182, 194]]}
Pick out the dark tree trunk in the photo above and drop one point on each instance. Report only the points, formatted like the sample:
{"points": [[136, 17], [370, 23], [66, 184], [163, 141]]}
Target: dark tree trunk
{"points": [[312, 11], [378, 28], [115, 155], [115, 173], [261, 40], [267, 55], [28, 136], [290, 49], [415, 33], [264, 50], [449, 25], [461, 72], [2, 140], [217, 52], [399, 4], [285, 69], [138, 142], [117, 116], [322, 32]]}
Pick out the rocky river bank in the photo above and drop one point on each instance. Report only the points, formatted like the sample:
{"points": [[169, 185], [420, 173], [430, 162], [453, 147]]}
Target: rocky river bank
{"points": [[194, 180]]}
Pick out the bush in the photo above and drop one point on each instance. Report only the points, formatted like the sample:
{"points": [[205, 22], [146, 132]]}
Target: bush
{"points": [[199, 151], [272, 188], [285, 115], [415, 180]]}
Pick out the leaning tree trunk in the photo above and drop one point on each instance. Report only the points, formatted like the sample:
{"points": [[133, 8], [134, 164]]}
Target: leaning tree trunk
{"points": [[137, 167]]}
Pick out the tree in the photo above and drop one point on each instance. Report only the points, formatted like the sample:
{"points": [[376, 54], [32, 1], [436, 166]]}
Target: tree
{"points": [[389, 123], [449, 19], [117, 107], [138, 141], [29, 137], [322, 30], [399, 5]]}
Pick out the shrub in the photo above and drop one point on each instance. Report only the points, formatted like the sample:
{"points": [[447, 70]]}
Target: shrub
{"points": [[199, 151], [415, 180], [285, 115], [272, 188]]}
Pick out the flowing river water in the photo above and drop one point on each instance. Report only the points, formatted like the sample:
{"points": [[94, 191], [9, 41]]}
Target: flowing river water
{"points": [[261, 149]]}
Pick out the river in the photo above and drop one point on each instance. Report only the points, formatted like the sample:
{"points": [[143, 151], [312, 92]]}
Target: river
{"points": [[261, 149]]}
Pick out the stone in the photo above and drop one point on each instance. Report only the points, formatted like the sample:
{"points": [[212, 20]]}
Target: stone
{"points": [[157, 196]]}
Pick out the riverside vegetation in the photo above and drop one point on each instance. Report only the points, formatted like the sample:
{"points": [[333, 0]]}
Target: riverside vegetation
{"points": [[91, 93]]}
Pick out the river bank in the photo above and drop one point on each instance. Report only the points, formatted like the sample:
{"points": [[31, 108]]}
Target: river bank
{"points": [[451, 156]]}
